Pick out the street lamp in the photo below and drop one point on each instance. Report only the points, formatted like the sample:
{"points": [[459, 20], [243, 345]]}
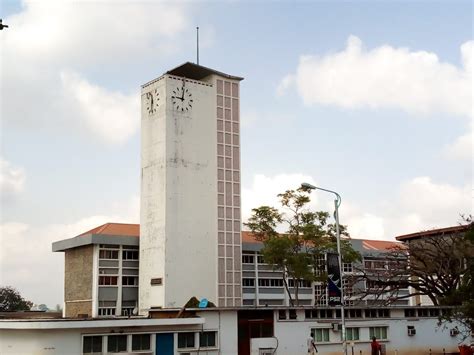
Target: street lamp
{"points": [[337, 203]]}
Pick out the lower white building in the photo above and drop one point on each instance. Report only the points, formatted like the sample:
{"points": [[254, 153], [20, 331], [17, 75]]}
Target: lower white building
{"points": [[232, 331]]}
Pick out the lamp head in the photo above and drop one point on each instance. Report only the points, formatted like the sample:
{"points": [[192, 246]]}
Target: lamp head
{"points": [[308, 186]]}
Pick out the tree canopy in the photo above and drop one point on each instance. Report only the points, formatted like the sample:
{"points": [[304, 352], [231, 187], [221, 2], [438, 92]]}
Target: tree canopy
{"points": [[439, 266], [11, 300], [295, 240]]}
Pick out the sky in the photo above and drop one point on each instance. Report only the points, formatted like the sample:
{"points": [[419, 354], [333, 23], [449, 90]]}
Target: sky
{"points": [[371, 99]]}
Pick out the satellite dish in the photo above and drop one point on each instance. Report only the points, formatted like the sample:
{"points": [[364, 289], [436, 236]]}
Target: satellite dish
{"points": [[203, 303], [135, 311]]}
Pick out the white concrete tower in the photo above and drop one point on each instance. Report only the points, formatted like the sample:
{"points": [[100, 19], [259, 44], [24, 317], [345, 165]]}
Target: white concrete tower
{"points": [[190, 242]]}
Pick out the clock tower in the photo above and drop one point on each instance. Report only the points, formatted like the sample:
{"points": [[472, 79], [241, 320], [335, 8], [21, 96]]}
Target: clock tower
{"points": [[190, 241]]}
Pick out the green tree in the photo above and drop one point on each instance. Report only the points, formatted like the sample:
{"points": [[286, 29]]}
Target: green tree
{"points": [[304, 238], [11, 300]]}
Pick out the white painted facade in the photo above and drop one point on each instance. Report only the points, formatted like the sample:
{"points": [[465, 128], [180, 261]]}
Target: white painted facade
{"points": [[178, 229], [190, 242], [64, 337]]}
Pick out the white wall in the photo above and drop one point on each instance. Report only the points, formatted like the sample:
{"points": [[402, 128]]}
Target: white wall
{"points": [[22, 342], [292, 336], [178, 236]]}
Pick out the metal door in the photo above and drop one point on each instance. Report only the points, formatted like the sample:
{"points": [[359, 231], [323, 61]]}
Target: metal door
{"points": [[165, 344]]}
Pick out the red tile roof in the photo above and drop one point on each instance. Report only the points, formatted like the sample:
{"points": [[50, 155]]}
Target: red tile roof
{"points": [[433, 232], [248, 237], [119, 229], [378, 244]]}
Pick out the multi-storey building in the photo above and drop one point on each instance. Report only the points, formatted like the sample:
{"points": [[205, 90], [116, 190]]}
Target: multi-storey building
{"points": [[101, 271], [262, 284], [110, 256]]}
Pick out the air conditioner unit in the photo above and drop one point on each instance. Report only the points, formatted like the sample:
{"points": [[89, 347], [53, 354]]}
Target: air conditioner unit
{"points": [[411, 332], [453, 332], [266, 351]]}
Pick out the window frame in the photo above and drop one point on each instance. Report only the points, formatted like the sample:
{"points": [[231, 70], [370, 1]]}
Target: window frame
{"points": [[182, 334], [378, 332], [207, 333], [117, 336], [141, 335], [84, 337], [324, 334]]}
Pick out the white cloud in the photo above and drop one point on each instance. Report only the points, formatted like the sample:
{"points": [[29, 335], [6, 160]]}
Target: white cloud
{"points": [[50, 44], [12, 179], [28, 247], [112, 116], [386, 77], [419, 204], [264, 191], [285, 84], [462, 147]]}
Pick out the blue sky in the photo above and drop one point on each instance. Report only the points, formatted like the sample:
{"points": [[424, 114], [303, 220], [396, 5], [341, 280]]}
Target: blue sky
{"points": [[371, 99]]}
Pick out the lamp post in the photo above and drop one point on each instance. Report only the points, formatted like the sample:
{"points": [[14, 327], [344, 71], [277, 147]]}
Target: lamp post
{"points": [[337, 203]]}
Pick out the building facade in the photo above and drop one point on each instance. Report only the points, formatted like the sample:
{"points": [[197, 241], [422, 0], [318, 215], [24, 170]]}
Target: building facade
{"points": [[232, 331], [107, 262], [190, 188], [101, 271]]}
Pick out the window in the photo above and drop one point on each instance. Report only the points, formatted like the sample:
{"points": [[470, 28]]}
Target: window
{"points": [[185, 340], [352, 334], [260, 259], [423, 312], [300, 283], [261, 329], [378, 332], [108, 280], [207, 339], [293, 314], [410, 313], [140, 342], [282, 314], [321, 335], [248, 282], [384, 313], [270, 282], [247, 259], [325, 313], [130, 280], [353, 313], [107, 311], [434, 312], [130, 255], [116, 343], [320, 295], [311, 314], [91, 345], [127, 311], [347, 267], [370, 313], [108, 254]]}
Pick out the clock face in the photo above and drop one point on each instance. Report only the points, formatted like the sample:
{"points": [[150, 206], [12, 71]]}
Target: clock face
{"points": [[182, 99], [152, 101]]}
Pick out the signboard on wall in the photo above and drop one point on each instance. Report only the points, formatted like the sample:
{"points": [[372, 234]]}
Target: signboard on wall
{"points": [[334, 280]]}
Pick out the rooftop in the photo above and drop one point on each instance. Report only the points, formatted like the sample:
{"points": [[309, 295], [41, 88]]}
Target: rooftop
{"points": [[434, 232]]}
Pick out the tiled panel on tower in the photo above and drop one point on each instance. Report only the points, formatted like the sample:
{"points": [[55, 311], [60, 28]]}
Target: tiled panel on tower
{"points": [[228, 193]]}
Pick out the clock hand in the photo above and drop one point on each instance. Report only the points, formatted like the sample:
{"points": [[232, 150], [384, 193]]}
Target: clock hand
{"points": [[176, 97]]}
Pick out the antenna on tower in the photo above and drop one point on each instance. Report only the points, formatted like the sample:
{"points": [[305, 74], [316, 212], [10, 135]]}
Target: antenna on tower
{"points": [[197, 44]]}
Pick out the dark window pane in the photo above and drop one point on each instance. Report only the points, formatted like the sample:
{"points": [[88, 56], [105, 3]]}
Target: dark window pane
{"points": [[141, 342], [117, 343], [185, 340], [207, 339], [92, 345]]}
